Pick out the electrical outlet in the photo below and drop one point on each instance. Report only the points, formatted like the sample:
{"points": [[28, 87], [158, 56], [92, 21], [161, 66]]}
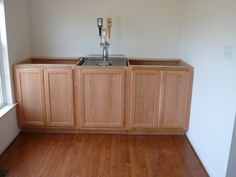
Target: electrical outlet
{"points": [[228, 52]]}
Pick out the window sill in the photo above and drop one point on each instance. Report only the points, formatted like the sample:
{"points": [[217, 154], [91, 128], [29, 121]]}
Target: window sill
{"points": [[6, 109]]}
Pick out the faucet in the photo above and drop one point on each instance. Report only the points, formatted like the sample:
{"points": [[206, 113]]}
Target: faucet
{"points": [[105, 36], [105, 51]]}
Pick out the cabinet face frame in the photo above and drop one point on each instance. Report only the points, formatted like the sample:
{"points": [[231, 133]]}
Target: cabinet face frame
{"points": [[154, 107], [68, 104], [22, 119], [120, 123], [78, 97]]}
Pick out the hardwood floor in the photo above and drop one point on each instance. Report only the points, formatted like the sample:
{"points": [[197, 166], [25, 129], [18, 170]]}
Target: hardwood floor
{"points": [[68, 155]]}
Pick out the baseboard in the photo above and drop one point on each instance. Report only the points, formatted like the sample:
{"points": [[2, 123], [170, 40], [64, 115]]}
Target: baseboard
{"points": [[107, 131], [203, 167]]}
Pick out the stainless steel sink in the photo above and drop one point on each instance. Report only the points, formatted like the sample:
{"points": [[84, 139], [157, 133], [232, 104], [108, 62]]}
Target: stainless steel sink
{"points": [[113, 60]]}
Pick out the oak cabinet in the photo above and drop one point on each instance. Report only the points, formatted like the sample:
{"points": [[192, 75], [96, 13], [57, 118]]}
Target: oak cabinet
{"points": [[59, 97], [30, 97], [175, 99], [45, 97], [145, 102], [160, 99], [102, 98], [145, 97]]}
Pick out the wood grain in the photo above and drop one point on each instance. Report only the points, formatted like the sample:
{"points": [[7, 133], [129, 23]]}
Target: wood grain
{"points": [[175, 105], [59, 96], [147, 95], [103, 97], [49, 62], [30, 96], [145, 86], [66, 155]]}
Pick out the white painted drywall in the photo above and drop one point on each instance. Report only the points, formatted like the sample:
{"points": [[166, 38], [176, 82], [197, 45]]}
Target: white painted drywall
{"points": [[8, 129], [67, 28], [18, 30], [17, 25], [208, 27]]}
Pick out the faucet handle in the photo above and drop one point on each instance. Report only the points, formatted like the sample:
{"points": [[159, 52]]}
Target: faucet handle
{"points": [[109, 25], [109, 22], [100, 25]]}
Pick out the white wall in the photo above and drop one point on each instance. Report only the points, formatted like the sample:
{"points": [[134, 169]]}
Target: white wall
{"points": [[67, 28], [8, 129], [17, 25], [18, 30], [209, 26]]}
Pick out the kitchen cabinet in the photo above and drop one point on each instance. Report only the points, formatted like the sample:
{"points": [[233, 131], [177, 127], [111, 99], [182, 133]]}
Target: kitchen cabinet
{"points": [[45, 95], [160, 99], [160, 95], [147, 96], [102, 98], [145, 102]]}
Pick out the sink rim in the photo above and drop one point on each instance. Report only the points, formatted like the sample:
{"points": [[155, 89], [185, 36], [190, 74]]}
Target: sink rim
{"points": [[95, 60]]}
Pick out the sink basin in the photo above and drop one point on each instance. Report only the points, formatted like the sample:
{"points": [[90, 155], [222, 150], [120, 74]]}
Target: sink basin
{"points": [[98, 61]]}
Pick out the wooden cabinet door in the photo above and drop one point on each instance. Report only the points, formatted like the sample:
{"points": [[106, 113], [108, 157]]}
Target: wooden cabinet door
{"points": [[175, 99], [102, 96], [145, 93], [30, 97], [59, 97]]}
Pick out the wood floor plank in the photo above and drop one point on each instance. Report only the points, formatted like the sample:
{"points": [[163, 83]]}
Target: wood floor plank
{"points": [[71, 155]]}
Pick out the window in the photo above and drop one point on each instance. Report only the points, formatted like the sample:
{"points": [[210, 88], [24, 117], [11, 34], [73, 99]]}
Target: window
{"points": [[5, 81]]}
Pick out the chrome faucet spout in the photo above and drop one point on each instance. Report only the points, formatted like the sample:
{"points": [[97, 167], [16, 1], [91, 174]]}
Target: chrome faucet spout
{"points": [[105, 36], [105, 51]]}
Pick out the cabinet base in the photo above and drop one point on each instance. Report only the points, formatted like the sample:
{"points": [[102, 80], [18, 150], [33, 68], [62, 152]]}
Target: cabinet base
{"points": [[97, 131]]}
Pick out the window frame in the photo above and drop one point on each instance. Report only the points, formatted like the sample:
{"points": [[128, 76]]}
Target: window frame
{"points": [[6, 91], [2, 83], [2, 79]]}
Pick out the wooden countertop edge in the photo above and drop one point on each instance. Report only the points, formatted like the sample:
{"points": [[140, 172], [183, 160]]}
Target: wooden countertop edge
{"points": [[77, 60]]}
